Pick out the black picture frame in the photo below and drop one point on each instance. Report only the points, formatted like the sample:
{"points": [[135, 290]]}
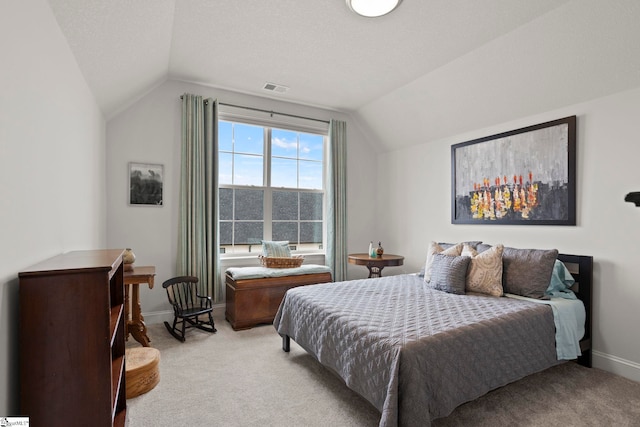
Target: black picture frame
{"points": [[537, 162], [145, 184]]}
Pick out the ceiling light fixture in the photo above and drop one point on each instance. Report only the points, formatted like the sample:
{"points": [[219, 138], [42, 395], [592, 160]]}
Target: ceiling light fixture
{"points": [[372, 8]]}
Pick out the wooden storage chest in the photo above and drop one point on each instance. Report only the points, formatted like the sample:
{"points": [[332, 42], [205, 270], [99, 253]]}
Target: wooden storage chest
{"points": [[250, 302]]}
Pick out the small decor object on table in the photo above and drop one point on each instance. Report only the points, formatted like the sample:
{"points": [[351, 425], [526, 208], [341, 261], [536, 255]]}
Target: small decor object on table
{"points": [[128, 258], [380, 250]]}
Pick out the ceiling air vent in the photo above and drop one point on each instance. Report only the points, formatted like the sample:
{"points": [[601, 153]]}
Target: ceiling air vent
{"points": [[272, 87]]}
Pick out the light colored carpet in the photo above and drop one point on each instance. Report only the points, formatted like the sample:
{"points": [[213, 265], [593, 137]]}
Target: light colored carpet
{"points": [[245, 379]]}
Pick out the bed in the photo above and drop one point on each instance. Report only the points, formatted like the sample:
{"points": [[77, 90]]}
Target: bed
{"points": [[416, 353]]}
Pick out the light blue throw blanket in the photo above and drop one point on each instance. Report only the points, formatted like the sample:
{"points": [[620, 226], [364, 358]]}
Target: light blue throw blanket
{"points": [[244, 273], [569, 316], [561, 282]]}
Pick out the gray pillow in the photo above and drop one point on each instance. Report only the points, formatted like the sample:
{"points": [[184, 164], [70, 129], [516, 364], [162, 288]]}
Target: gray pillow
{"points": [[449, 273], [527, 272], [482, 247], [472, 243]]}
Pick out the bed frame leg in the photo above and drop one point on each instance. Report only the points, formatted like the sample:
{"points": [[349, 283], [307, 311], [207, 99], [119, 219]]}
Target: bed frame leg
{"points": [[585, 359], [286, 343]]}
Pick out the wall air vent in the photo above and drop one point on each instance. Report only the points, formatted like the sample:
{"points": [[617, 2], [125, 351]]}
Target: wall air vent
{"points": [[272, 87]]}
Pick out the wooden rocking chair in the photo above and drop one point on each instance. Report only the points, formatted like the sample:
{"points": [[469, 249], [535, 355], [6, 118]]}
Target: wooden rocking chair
{"points": [[188, 306]]}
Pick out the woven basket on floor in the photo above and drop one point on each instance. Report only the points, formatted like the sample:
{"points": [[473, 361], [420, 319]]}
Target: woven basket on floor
{"points": [[276, 262], [142, 370]]}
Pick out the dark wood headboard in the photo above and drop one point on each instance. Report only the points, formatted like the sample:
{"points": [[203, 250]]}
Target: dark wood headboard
{"points": [[581, 268]]}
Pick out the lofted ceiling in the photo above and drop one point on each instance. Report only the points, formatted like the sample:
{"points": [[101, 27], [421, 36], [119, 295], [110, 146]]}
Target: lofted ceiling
{"points": [[331, 58], [324, 53]]}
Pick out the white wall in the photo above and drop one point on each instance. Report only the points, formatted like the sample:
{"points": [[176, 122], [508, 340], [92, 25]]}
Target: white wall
{"points": [[149, 132], [52, 168], [415, 190]]}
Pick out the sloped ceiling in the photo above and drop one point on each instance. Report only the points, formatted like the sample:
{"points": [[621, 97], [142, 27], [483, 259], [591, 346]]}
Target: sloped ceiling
{"points": [[440, 66]]}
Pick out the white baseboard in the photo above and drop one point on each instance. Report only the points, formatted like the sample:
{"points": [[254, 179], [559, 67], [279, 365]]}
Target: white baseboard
{"points": [[153, 317], [616, 365]]}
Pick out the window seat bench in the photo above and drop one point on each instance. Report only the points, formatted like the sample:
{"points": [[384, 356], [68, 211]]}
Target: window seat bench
{"points": [[253, 294]]}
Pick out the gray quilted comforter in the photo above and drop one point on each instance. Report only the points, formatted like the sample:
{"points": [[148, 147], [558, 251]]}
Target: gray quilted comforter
{"points": [[416, 353]]}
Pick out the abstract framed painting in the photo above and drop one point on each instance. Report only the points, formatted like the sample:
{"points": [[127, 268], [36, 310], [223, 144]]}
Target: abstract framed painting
{"points": [[522, 177], [145, 184]]}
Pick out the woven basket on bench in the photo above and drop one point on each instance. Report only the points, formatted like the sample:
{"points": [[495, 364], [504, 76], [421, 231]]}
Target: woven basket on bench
{"points": [[276, 262]]}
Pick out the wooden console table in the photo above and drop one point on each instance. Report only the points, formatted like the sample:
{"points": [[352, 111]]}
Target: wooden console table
{"points": [[135, 325], [375, 265]]}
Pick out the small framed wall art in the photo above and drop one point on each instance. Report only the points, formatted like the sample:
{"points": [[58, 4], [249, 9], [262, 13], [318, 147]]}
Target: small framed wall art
{"points": [[145, 184], [522, 177]]}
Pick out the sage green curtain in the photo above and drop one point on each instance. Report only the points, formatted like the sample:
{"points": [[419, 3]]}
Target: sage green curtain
{"points": [[198, 239], [336, 253]]}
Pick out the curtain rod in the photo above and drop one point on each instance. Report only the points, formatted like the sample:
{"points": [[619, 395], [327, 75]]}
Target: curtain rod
{"points": [[270, 112]]}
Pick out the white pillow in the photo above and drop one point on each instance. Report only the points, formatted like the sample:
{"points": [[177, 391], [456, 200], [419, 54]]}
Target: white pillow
{"points": [[276, 249], [435, 248], [484, 274]]}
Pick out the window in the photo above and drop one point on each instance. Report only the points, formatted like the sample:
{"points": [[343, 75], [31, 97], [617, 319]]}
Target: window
{"points": [[271, 187]]}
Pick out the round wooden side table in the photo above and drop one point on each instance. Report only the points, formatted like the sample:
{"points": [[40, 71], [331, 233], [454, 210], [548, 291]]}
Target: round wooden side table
{"points": [[375, 265]]}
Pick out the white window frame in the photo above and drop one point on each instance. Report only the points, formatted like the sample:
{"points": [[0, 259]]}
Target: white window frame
{"points": [[267, 122]]}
